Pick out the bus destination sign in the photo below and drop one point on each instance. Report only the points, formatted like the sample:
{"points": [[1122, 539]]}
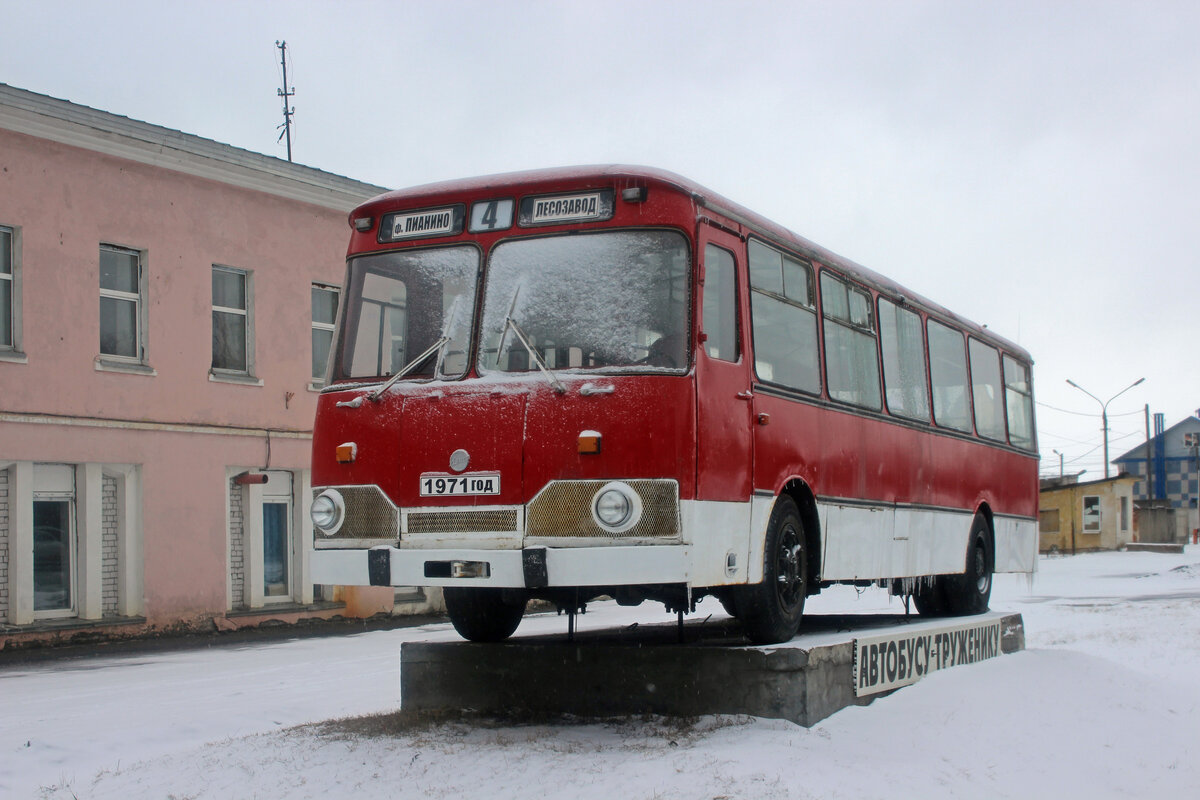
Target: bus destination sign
{"points": [[557, 209], [420, 224]]}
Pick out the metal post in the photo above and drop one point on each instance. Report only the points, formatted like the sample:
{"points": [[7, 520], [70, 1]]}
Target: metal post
{"points": [[1104, 413], [286, 93], [1149, 455]]}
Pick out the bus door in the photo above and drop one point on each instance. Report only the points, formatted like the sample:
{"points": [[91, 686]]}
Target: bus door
{"points": [[724, 404]]}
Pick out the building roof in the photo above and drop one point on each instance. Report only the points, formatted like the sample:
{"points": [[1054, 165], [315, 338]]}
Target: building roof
{"points": [[1172, 437], [79, 126], [1052, 485]]}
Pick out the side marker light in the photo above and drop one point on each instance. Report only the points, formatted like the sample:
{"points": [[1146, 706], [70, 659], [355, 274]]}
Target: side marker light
{"points": [[589, 443], [346, 452]]}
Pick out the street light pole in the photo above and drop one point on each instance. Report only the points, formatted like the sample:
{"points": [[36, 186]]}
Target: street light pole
{"points": [[1104, 412], [1060, 462]]}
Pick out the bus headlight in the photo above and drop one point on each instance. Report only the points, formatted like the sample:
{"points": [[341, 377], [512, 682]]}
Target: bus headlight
{"points": [[616, 507], [328, 511]]}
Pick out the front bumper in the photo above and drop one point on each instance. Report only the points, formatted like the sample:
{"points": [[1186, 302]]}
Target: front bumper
{"points": [[533, 567]]}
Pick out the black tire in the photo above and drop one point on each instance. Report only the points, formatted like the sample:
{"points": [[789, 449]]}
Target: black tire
{"points": [[484, 615], [770, 611], [729, 603], [970, 592], [930, 597]]}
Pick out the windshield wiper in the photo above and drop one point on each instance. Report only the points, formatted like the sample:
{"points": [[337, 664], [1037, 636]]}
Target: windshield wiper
{"points": [[451, 318], [509, 322], [407, 368], [438, 347], [504, 331]]}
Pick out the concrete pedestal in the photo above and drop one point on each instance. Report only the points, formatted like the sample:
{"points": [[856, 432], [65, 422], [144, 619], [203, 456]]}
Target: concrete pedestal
{"points": [[648, 670]]}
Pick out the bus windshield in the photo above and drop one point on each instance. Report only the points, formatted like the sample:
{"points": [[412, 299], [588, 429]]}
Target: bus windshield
{"points": [[615, 299], [400, 304]]}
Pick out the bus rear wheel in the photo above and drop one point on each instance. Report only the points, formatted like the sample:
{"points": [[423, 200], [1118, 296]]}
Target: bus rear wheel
{"points": [[770, 611], [484, 615], [930, 596], [970, 592]]}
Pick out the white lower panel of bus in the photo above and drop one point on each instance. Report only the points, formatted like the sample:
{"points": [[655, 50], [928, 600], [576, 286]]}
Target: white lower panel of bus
{"points": [[720, 538], [1016, 544], [868, 542], [725, 546]]}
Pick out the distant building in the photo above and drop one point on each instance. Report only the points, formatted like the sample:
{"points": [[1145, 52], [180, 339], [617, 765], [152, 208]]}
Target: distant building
{"points": [[1172, 460], [166, 309], [1095, 515]]}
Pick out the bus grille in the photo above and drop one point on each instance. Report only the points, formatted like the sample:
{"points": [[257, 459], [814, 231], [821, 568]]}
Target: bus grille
{"points": [[370, 517], [564, 509], [500, 519]]}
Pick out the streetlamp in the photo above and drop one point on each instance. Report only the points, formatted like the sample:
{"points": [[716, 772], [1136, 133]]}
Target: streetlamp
{"points": [[1060, 463], [1104, 412]]}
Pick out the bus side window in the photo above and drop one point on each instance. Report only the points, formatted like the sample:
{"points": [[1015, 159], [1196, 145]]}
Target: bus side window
{"points": [[783, 320], [1018, 401], [720, 304], [985, 389], [851, 360], [905, 387], [948, 373]]}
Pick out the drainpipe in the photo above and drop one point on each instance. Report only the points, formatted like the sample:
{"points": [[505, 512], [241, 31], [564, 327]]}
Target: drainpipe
{"points": [[1075, 499]]}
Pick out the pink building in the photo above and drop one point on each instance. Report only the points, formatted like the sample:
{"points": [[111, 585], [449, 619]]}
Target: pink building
{"points": [[166, 305]]}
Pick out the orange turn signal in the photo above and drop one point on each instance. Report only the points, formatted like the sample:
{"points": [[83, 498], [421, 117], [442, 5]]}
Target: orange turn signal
{"points": [[589, 442], [347, 452]]}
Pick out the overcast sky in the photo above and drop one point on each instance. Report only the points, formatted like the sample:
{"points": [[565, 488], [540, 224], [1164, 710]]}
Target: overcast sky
{"points": [[1034, 166]]}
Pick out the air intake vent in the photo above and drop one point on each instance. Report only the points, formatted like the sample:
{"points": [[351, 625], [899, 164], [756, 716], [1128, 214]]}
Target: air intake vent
{"points": [[488, 521]]}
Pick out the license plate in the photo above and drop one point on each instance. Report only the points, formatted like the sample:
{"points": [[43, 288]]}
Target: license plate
{"points": [[469, 483]]}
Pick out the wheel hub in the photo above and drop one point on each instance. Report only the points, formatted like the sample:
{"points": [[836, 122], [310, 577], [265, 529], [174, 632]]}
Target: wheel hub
{"points": [[790, 568]]}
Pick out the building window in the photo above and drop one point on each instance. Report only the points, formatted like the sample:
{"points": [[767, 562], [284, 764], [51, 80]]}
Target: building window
{"points": [[6, 287], [54, 548], [1091, 514], [407, 596], [324, 314], [233, 329], [122, 304], [1048, 521], [1124, 514], [10, 291]]}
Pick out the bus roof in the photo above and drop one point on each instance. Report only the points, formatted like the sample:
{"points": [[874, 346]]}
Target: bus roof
{"points": [[531, 181]]}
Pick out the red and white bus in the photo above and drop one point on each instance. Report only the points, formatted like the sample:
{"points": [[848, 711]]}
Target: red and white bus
{"points": [[569, 383]]}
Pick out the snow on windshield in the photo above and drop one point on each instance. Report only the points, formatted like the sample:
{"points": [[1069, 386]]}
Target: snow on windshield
{"points": [[400, 303], [611, 299]]}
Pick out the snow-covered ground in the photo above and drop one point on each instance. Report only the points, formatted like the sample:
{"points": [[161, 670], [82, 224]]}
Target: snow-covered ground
{"points": [[1105, 702]]}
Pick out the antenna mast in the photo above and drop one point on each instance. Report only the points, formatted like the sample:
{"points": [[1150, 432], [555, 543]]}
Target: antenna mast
{"points": [[285, 94]]}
